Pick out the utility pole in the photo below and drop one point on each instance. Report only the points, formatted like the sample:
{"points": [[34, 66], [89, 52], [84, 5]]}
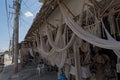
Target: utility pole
{"points": [[10, 48], [16, 5], [13, 48]]}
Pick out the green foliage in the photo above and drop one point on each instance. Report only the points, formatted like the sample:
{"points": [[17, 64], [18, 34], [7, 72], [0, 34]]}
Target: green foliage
{"points": [[6, 52]]}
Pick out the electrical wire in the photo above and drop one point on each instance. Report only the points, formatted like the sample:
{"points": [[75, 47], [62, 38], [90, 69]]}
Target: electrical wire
{"points": [[24, 19], [7, 15], [27, 6], [33, 4]]}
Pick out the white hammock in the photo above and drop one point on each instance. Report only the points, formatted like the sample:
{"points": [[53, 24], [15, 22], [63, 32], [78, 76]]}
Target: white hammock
{"points": [[117, 52], [59, 58], [93, 28], [54, 57], [41, 51], [31, 52], [73, 70], [81, 33], [55, 47], [40, 45]]}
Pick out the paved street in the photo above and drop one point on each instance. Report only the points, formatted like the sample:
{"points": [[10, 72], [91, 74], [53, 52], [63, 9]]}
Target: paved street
{"points": [[28, 73]]}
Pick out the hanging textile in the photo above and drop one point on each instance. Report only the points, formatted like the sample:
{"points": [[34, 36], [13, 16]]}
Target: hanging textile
{"points": [[81, 33], [43, 53], [118, 65], [54, 57], [54, 46], [67, 70], [31, 52], [112, 24], [40, 44], [61, 56], [94, 26], [73, 70], [117, 52], [85, 47]]}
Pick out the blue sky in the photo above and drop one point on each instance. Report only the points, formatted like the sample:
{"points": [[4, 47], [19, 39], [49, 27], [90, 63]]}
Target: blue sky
{"points": [[29, 8]]}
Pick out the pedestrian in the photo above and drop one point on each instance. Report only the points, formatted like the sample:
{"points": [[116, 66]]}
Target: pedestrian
{"points": [[62, 76]]}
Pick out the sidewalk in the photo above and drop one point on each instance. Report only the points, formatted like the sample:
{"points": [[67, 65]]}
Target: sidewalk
{"points": [[28, 73], [7, 71], [46, 76]]}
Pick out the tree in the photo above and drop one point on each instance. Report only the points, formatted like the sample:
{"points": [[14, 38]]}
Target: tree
{"points": [[6, 52]]}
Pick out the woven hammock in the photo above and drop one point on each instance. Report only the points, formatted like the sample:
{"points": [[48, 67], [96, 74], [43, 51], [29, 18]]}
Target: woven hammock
{"points": [[81, 33], [55, 47], [54, 57], [31, 52], [40, 44], [117, 52]]}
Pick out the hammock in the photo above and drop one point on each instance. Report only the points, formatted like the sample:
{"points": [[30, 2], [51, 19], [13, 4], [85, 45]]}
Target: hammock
{"points": [[55, 47], [93, 28], [40, 44], [73, 70], [54, 57], [117, 52], [81, 33], [61, 56], [31, 52]]}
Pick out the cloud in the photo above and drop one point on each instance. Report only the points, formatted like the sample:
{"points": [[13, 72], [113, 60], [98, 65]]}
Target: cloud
{"points": [[28, 14]]}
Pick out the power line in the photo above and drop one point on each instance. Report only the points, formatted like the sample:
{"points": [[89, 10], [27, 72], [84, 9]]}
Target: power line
{"points": [[7, 15], [27, 7], [10, 20], [36, 9], [24, 19], [24, 22], [33, 4]]}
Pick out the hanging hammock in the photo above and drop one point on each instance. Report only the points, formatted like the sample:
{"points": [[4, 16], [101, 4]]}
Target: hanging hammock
{"points": [[54, 46], [117, 52], [60, 58], [54, 57], [81, 33], [73, 70], [31, 52], [40, 44]]}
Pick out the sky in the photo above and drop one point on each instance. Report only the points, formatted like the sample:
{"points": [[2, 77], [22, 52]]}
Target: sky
{"points": [[29, 8]]}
